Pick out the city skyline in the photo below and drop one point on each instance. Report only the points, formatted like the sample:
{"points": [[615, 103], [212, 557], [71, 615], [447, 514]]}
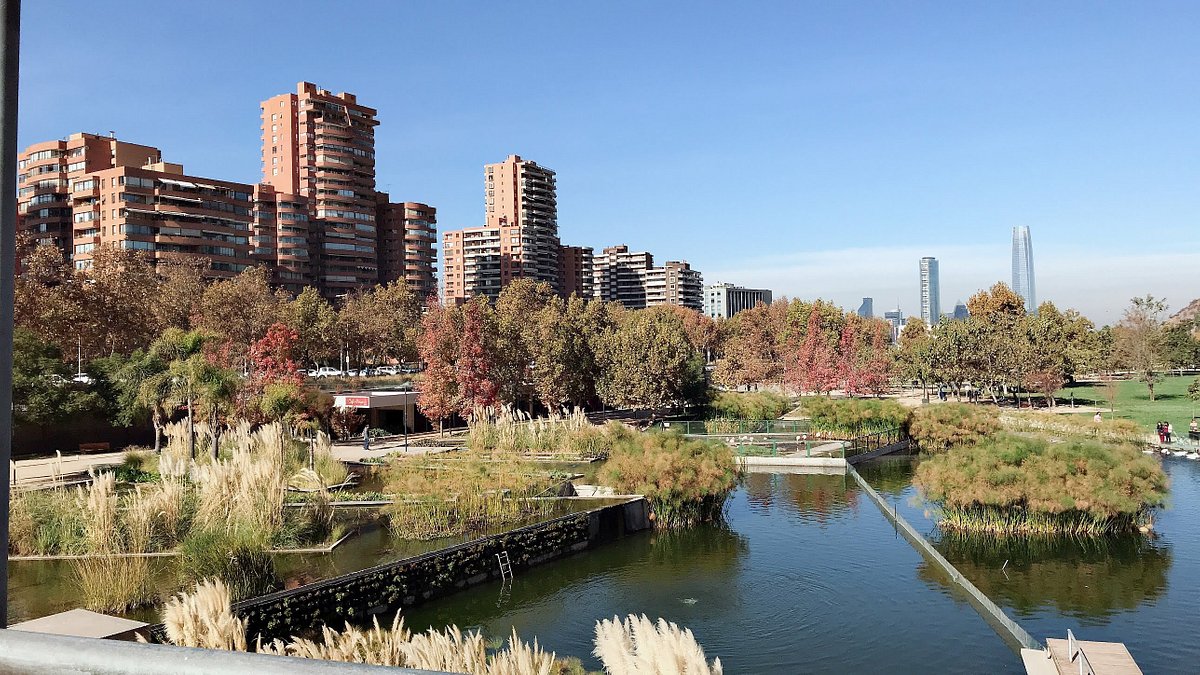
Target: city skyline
{"points": [[930, 140]]}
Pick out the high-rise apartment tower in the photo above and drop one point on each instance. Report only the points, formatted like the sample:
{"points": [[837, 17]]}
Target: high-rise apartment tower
{"points": [[931, 306], [321, 146], [1022, 267]]}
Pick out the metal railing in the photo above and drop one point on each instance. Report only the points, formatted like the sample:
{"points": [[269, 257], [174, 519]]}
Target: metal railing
{"points": [[38, 653], [861, 445], [1075, 653]]}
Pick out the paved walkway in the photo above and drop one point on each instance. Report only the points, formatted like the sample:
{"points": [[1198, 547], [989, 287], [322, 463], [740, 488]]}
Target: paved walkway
{"points": [[47, 470]]}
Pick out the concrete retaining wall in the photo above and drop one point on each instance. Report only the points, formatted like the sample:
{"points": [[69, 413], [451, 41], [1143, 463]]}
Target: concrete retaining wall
{"points": [[384, 589], [751, 460]]}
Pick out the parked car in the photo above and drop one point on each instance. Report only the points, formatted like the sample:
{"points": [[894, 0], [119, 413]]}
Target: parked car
{"points": [[83, 378], [410, 368], [387, 370], [326, 371]]}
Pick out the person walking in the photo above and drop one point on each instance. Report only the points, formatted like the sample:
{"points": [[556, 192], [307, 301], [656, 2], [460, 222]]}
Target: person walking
{"points": [[1194, 431], [1161, 432], [1098, 418], [1170, 432], [367, 437]]}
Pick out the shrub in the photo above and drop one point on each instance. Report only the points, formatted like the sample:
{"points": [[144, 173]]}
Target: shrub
{"points": [[685, 480], [939, 427], [1023, 485], [760, 405], [237, 558], [854, 416]]}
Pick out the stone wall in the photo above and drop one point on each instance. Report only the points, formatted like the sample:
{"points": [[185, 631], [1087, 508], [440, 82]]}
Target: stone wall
{"points": [[384, 589]]}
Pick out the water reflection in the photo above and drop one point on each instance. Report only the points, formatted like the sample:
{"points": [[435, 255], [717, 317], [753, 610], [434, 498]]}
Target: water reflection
{"points": [[1086, 579], [808, 497]]}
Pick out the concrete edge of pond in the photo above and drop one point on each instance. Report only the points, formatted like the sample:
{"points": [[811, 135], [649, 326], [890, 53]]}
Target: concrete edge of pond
{"points": [[1010, 631], [396, 585]]}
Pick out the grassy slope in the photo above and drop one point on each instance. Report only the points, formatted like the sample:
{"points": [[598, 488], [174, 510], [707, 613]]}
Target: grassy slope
{"points": [[1171, 402]]}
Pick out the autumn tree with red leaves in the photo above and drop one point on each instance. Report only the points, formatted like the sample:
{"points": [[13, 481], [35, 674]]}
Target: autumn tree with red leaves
{"points": [[477, 368], [438, 348]]}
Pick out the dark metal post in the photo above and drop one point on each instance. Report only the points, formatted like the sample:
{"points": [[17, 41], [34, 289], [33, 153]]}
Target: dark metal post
{"points": [[404, 422], [11, 37]]}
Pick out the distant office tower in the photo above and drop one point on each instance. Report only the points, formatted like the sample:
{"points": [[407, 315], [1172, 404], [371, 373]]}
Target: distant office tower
{"points": [[321, 146], [406, 247], [896, 319], [518, 240], [960, 312], [867, 309], [46, 172], [1022, 267], [722, 301], [632, 279], [931, 306], [575, 271]]}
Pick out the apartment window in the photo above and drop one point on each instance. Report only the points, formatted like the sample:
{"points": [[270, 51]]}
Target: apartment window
{"points": [[274, 116], [77, 166], [274, 127], [274, 139], [274, 172]]}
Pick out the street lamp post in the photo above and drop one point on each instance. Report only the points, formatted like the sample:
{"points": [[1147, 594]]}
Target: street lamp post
{"points": [[9, 42]]}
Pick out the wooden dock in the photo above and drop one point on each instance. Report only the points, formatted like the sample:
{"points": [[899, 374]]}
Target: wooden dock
{"points": [[1072, 657]]}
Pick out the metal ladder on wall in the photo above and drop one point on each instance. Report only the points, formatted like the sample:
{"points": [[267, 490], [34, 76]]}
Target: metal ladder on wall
{"points": [[506, 572]]}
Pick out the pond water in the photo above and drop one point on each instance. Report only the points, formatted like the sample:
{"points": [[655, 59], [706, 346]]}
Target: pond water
{"points": [[807, 576], [1143, 591]]}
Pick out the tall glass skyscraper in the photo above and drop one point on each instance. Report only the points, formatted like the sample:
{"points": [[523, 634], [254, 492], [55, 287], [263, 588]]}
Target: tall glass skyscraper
{"points": [[931, 305], [1022, 267]]}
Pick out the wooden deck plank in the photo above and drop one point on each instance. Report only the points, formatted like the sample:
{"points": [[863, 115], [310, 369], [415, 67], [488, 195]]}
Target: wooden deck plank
{"points": [[1107, 658]]}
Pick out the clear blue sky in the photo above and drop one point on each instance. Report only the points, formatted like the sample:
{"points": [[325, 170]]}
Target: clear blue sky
{"points": [[818, 148]]}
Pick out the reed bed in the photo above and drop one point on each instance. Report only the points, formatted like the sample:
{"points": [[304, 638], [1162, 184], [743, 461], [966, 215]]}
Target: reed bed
{"points": [[567, 435], [1115, 430], [756, 405], [437, 498]]}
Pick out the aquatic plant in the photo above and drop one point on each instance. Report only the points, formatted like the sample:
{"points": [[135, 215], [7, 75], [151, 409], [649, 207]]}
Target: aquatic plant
{"points": [[685, 480], [1030, 485], [1117, 430], [505, 430], [849, 417], [639, 646], [468, 493], [757, 405], [239, 558], [942, 426]]}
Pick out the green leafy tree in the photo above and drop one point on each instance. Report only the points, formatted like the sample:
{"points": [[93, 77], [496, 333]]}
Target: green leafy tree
{"points": [[516, 337], [648, 363], [282, 402], [42, 391], [182, 379], [314, 321], [564, 367], [1139, 340]]}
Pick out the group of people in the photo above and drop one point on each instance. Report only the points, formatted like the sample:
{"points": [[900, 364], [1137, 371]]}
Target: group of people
{"points": [[1166, 431]]}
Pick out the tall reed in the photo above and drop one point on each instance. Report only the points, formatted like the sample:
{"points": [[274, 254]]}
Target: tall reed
{"points": [[639, 646], [203, 618]]}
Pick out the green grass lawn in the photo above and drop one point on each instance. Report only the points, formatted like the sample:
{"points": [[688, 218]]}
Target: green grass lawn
{"points": [[1171, 402]]}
